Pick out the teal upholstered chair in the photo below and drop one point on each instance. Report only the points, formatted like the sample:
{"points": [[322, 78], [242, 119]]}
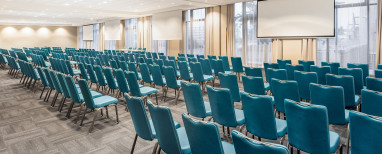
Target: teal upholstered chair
{"points": [[280, 74], [371, 102], [246, 145], [102, 83], [254, 85], [308, 128], [44, 81], [138, 91], [123, 86], [196, 69], [269, 65], [170, 138], [333, 67], [204, 137], [255, 72], [92, 75], [321, 73], [358, 77], [229, 81], [282, 63], [225, 63], [374, 84], [184, 71], [172, 82], [145, 73], [133, 68], [291, 68], [206, 66], [332, 97], [347, 82], [306, 65], [377, 74], [284, 89], [157, 77], [193, 97], [112, 84], [237, 65], [304, 79], [365, 70]]}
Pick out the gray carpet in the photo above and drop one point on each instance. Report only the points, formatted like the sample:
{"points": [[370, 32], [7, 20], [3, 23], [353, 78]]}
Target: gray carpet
{"points": [[30, 125]]}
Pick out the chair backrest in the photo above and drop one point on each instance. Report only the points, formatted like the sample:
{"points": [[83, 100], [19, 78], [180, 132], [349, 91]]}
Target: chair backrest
{"points": [[65, 90], [42, 76], [321, 73], [86, 93], [280, 74], [206, 66], [184, 72], [333, 67], [306, 65], [237, 65], [269, 65], [225, 63], [308, 127], [254, 72], [121, 81], [194, 99], [377, 74], [358, 77], [157, 75], [207, 139], [133, 84], [374, 84], [218, 66], [365, 133], [64, 67], [199, 57], [170, 77], [284, 89], [74, 93], [91, 73], [197, 72], [253, 85], [222, 106], [99, 72], [55, 81], [291, 68], [166, 133], [123, 66], [181, 55], [146, 77], [110, 78], [259, 115], [133, 68], [365, 70], [229, 81], [139, 116], [246, 145], [371, 102], [182, 59], [84, 74], [333, 98], [282, 63], [304, 79], [346, 81]]}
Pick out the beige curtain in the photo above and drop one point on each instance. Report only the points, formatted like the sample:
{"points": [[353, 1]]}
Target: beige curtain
{"points": [[230, 52], [277, 50], [121, 42], [144, 32], [213, 31], [379, 36], [309, 49], [101, 37]]}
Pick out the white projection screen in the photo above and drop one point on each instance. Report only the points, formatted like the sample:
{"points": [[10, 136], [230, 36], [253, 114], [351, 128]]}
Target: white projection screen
{"points": [[87, 32], [295, 18], [113, 30], [167, 25]]}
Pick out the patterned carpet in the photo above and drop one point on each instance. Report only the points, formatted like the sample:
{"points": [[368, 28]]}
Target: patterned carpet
{"points": [[30, 125]]}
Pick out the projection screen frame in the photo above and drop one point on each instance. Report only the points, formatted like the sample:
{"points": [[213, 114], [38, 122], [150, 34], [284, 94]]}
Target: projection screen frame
{"points": [[295, 37]]}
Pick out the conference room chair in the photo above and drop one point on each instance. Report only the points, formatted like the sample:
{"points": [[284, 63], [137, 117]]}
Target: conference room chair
{"points": [[163, 57], [254, 85], [114, 64], [160, 63], [123, 66], [218, 67], [192, 60], [145, 72], [377, 73], [223, 111], [98, 61], [358, 77], [170, 138], [229, 81], [225, 63], [333, 67], [284, 89], [364, 133], [371, 102], [182, 59], [269, 65], [246, 145], [199, 57], [303, 80], [254, 72], [96, 104], [154, 55], [184, 71], [260, 118], [206, 67], [332, 97], [347, 82], [138, 91], [197, 72], [72, 72], [181, 55], [111, 82], [84, 74], [43, 79], [64, 67], [193, 98], [149, 61], [61, 79], [237, 66], [308, 128], [280, 74], [102, 83], [144, 128], [172, 82], [204, 137], [321, 73], [171, 58], [306, 65], [190, 55], [291, 68], [282, 63], [365, 70], [57, 86], [172, 64], [133, 68], [92, 75], [157, 77], [374, 83], [51, 85]]}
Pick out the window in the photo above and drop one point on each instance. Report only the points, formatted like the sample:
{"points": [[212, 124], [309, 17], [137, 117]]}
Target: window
{"points": [[131, 34], [195, 31], [159, 46], [356, 28], [110, 44], [95, 41], [81, 42], [254, 51]]}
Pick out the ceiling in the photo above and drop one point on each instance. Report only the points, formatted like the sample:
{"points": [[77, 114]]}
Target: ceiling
{"points": [[82, 12]]}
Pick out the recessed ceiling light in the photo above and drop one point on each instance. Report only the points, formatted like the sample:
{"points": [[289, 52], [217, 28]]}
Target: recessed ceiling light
{"points": [[66, 4], [104, 2]]}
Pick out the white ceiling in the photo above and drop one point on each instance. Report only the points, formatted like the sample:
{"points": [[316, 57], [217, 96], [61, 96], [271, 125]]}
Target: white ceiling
{"points": [[82, 12]]}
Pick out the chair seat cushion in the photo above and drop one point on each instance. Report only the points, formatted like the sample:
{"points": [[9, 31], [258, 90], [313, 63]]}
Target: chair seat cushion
{"points": [[207, 106], [48, 64], [228, 147], [281, 126], [76, 72], [239, 116], [207, 77], [334, 141], [227, 72], [178, 82], [177, 74], [266, 86], [148, 90], [104, 101], [356, 100], [183, 139], [73, 62]]}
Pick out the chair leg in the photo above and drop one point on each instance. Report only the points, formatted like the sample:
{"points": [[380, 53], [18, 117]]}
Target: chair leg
{"points": [[78, 113], [54, 99], [135, 141], [116, 113], [69, 110], [160, 149], [42, 91], [156, 98], [83, 116], [155, 148], [62, 104], [94, 118], [50, 92], [177, 96]]}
